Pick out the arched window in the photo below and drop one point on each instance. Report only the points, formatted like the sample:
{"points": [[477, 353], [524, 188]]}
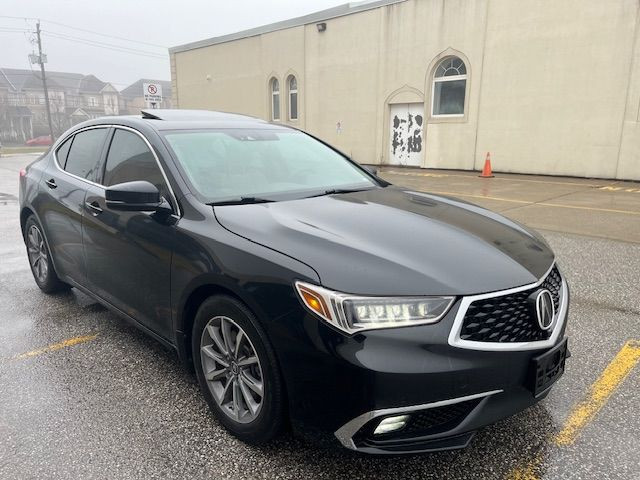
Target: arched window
{"points": [[293, 97], [275, 99], [449, 86]]}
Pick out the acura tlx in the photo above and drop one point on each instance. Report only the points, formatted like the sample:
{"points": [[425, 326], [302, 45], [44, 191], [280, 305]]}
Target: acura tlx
{"points": [[305, 291]]}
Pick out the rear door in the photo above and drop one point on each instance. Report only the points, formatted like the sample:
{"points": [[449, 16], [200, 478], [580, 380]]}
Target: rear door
{"points": [[128, 254], [61, 199]]}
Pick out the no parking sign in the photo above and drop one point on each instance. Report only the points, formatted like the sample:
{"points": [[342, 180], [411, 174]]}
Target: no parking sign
{"points": [[152, 92]]}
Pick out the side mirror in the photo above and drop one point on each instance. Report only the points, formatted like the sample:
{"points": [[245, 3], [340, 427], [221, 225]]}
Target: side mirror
{"points": [[138, 196], [371, 169]]}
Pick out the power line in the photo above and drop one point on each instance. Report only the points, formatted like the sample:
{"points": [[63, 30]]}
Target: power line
{"points": [[88, 31], [93, 43], [103, 44], [108, 36], [108, 48], [17, 18], [12, 29]]}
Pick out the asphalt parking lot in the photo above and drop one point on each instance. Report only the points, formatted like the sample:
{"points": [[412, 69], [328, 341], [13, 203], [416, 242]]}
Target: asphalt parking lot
{"points": [[85, 395]]}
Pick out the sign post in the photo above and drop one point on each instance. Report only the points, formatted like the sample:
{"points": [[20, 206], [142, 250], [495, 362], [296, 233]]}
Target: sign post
{"points": [[152, 93]]}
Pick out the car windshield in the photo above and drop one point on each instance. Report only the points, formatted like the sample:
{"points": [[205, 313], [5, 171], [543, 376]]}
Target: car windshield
{"points": [[241, 165]]}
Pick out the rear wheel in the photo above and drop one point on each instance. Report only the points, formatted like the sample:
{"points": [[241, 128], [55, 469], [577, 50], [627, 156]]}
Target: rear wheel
{"points": [[237, 370], [40, 258]]}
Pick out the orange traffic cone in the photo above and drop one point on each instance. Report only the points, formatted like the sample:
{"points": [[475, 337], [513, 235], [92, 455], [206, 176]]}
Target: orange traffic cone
{"points": [[486, 171]]}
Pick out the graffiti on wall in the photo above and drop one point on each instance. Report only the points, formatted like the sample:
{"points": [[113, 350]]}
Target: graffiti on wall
{"points": [[406, 134], [409, 138]]}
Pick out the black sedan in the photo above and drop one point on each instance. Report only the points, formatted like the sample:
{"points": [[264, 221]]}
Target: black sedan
{"points": [[305, 291]]}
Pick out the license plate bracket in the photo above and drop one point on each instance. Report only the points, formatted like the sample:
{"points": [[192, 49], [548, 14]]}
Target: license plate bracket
{"points": [[547, 368]]}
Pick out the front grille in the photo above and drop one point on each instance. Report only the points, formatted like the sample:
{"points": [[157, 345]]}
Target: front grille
{"points": [[509, 318], [553, 283]]}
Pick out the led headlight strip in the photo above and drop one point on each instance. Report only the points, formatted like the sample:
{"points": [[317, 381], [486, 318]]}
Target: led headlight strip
{"points": [[351, 313]]}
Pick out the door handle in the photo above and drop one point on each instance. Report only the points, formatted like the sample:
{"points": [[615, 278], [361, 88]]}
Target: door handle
{"points": [[51, 183], [93, 208]]}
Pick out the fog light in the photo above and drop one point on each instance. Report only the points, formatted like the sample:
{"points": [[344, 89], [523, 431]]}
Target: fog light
{"points": [[391, 424]]}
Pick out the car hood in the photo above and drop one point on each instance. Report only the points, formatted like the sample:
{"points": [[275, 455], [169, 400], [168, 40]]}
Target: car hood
{"points": [[391, 241]]}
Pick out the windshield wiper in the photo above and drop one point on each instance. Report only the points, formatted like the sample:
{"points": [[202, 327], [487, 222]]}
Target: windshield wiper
{"points": [[333, 191], [240, 201]]}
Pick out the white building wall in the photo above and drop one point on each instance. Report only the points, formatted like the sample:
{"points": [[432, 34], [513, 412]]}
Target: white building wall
{"points": [[554, 86], [342, 83], [629, 158]]}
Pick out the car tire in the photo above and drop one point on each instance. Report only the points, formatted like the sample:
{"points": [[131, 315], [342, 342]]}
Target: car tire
{"points": [[230, 390], [39, 255]]}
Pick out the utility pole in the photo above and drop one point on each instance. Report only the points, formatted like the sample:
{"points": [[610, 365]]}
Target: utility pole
{"points": [[44, 81]]}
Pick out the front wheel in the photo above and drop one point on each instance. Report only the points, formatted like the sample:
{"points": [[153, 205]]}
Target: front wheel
{"points": [[237, 370], [40, 258]]}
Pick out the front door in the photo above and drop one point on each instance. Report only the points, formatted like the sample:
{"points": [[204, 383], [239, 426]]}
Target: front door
{"points": [[406, 126], [128, 254]]}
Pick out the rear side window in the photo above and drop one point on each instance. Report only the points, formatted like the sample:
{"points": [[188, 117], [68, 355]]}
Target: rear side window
{"points": [[129, 159], [84, 156], [63, 151]]}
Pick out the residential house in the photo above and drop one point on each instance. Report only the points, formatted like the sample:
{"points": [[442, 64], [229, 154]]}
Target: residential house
{"points": [[73, 98]]}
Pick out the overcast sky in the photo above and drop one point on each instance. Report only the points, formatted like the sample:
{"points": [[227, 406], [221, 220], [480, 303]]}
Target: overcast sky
{"points": [[159, 22]]}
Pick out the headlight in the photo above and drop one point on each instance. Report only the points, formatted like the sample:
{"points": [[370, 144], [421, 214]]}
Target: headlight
{"points": [[352, 313]]}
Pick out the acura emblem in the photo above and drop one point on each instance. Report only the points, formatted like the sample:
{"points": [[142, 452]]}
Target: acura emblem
{"points": [[544, 308]]}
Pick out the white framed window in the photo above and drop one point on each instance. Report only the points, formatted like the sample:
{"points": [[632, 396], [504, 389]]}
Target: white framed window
{"points": [[449, 88], [292, 84], [275, 99], [92, 101]]}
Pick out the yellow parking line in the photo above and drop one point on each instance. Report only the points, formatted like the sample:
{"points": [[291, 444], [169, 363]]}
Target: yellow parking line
{"points": [[579, 207], [56, 346], [500, 199], [617, 370], [544, 204], [528, 472], [512, 179], [601, 390], [625, 189]]}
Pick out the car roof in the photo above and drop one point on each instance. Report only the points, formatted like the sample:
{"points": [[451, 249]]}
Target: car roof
{"points": [[176, 119]]}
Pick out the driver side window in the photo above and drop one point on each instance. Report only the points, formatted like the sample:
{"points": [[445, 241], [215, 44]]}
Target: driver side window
{"points": [[129, 159]]}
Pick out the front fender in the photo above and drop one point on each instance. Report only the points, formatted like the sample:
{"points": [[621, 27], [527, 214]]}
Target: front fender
{"points": [[208, 259]]}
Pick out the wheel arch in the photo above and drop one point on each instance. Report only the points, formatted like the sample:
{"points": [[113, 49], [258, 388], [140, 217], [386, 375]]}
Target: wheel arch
{"points": [[188, 308], [191, 301], [25, 213]]}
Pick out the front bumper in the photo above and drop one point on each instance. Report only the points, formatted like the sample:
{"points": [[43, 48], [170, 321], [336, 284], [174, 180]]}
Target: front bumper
{"points": [[340, 386], [456, 431], [356, 434]]}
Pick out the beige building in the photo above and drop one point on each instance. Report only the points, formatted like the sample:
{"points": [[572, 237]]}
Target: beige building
{"points": [[546, 86]]}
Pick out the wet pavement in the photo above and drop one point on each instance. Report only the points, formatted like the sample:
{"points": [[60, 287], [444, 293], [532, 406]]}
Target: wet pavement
{"points": [[120, 405]]}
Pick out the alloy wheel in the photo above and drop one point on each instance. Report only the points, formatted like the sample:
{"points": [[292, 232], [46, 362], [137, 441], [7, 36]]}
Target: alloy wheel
{"points": [[232, 369], [37, 251]]}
